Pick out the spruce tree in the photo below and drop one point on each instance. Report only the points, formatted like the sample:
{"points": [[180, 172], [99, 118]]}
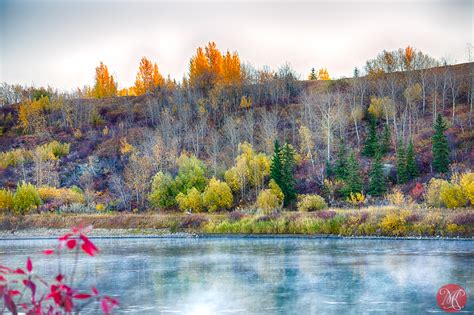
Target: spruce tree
{"points": [[329, 169], [386, 140], [377, 181], [276, 167], [288, 179], [340, 167], [402, 172], [371, 142], [440, 146], [411, 167], [353, 182]]}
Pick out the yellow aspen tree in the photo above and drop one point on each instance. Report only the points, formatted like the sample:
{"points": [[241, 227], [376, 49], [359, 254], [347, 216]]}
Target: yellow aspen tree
{"points": [[105, 85]]}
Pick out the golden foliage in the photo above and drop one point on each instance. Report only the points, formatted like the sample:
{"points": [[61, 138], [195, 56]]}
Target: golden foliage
{"points": [[6, 200], [245, 102], [125, 147], [14, 157], [31, 114], [192, 200], [356, 199], [26, 198], [394, 223], [208, 67], [467, 186], [452, 196], [217, 195], [433, 197], [61, 195], [104, 86], [311, 203], [148, 77], [323, 74], [270, 199]]}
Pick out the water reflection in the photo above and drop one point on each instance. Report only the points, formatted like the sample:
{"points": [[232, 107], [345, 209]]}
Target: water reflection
{"points": [[266, 276]]}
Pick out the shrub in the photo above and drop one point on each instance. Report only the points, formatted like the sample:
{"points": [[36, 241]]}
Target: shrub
{"points": [[233, 179], [311, 203], [26, 197], [417, 191], [6, 200], [433, 197], [467, 186], [451, 196], [61, 196], [397, 198], [217, 195], [76, 208], [14, 157], [267, 201], [325, 215], [190, 201], [464, 219], [394, 223], [193, 221], [356, 199], [191, 173], [163, 191], [53, 150]]}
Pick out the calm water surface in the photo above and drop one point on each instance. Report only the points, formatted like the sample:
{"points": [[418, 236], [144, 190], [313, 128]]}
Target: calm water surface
{"points": [[266, 275]]}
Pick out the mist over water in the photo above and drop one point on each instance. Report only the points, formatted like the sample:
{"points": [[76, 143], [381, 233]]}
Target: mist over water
{"points": [[264, 275]]}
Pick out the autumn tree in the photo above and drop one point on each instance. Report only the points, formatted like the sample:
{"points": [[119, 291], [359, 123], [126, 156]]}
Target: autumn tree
{"points": [[104, 86], [312, 75], [323, 74], [148, 77]]}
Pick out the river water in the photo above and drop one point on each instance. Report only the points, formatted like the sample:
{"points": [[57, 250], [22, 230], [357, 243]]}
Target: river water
{"points": [[264, 275]]}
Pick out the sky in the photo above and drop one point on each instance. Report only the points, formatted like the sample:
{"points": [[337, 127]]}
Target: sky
{"points": [[59, 43]]}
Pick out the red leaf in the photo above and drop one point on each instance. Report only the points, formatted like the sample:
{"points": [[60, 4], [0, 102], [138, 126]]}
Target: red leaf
{"points": [[30, 284], [48, 251], [10, 304], [59, 278], [71, 244], [106, 308], [95, 291], [29, 265], [19, 271], [82, 296], [2, 278], [88, 247], [13, 292]]}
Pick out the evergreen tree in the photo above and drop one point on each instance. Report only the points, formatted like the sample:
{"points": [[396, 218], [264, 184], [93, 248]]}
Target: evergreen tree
{"points": [[377, 181], [329, 169], [440, 146], [386, 140], [288, 179], [312, 75], [340, 167], [411, 167], [371, 142], [353, 182], [402, 172], [276, 167]]}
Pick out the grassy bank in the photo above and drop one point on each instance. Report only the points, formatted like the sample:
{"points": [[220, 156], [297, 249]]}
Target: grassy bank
{"points": [[372, 221]]}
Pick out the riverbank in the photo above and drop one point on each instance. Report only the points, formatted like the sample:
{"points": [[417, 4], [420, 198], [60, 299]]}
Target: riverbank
{"points": [[372, 221]]}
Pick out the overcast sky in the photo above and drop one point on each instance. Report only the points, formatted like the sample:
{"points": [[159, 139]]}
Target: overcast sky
{"points": [[59, 43]]}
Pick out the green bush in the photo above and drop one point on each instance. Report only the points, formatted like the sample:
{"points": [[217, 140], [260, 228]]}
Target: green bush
{"points": [[311, 203], [26, 197], [191, 174], [217, 195], [163, 191], [190, 201]]}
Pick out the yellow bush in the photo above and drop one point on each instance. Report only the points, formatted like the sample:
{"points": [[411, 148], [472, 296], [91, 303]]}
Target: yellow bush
{"points": [[125, 147], [452, 196], [454, 228], [6, 200], [190, 201], [52, 150], [394, 223], [217, 195], [267, 201], [311, 203], [26, 197], [356, 199], [467, 186], [60, 195], [100, 207], [14, 157], [433, 196], [396, 198], [233, 179]]}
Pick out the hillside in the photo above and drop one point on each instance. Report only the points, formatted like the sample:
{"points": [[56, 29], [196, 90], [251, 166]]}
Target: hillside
{"points": [[118, 144]]}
